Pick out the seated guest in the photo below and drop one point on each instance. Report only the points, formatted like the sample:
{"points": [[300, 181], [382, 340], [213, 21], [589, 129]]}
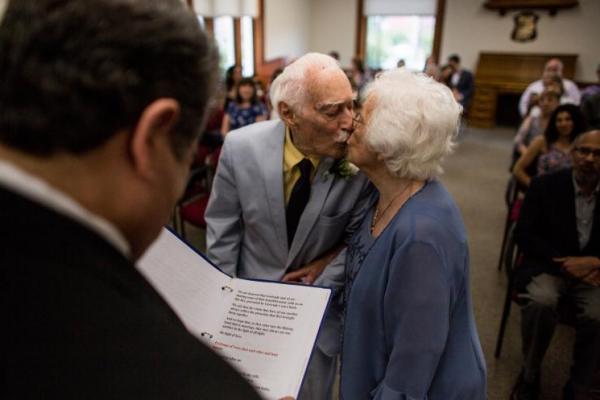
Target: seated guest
{"points": [[553, 83], [534, 125], [246, 109], [445, 75], [552, 150], [409, 330], [102, 102], [559, 234], [233, 76], [590, 108], [358, 73], [461, 82], [553, 67], [591, 89]]}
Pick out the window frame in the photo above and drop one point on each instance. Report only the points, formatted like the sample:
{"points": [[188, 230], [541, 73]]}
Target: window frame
{"points": [[257, 31], [361, 31]]}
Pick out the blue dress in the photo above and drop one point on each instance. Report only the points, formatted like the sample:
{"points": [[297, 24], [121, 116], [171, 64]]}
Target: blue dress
{"points": [[409, 330], [239, 116]]}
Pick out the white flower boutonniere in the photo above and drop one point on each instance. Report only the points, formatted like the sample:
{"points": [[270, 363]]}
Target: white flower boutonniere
{"points": [[342, 168]]}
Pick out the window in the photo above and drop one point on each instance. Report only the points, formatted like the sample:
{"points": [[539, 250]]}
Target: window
{"points": [[247, 45], [225, 38], [391, 38], [232, 24]]}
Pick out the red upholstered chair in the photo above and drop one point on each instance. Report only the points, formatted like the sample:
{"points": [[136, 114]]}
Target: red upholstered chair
{"points": [[192, 206]]}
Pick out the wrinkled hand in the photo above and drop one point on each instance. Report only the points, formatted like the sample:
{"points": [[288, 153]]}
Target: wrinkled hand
{"points": [[307, 274], [310, 272], [579, 267]]}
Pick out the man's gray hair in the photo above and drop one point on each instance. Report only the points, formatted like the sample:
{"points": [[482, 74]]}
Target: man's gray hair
{"points": [[290, 86], [413, 123]]}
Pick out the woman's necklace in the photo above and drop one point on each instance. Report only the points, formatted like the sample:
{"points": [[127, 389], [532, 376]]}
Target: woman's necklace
{"points": [[377, 215]]}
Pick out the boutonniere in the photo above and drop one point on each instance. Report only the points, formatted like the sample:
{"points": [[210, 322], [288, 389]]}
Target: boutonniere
{"points": [[342, 168]]}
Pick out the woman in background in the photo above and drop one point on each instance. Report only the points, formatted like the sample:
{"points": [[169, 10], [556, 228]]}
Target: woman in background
{"points": [[246, 109], [552, 149], [233, 76], [535, 125], [409, 330]]}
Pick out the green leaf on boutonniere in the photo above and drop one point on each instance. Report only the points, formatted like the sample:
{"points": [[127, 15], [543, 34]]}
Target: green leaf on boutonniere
{"points": [[342, 168]]}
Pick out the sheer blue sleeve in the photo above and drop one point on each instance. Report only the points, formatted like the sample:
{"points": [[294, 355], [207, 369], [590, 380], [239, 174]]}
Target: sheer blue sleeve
{"points": [[416, 311]]}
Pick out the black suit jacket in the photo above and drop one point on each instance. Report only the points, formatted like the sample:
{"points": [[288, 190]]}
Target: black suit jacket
{"points": [[547, 227], [82, 323], [465, 86]]}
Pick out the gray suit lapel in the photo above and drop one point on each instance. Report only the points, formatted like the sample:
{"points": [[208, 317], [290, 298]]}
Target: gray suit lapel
{"points": [[318, 194], [272, 161]]}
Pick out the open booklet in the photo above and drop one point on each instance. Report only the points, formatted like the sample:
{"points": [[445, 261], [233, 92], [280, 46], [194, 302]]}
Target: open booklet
{"points": [[266, 330]]}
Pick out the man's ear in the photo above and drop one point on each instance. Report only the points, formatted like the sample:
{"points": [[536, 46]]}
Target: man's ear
{"points": [[286, 114], [151, 133]]}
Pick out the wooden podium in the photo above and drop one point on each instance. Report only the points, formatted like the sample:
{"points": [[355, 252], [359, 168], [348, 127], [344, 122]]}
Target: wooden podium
{"points": [[507, 73]]}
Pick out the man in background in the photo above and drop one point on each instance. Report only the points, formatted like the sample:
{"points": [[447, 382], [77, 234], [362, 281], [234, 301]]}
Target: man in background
{"points": [[283, 201], [461, 82], [553, 67], [101, 103], [559, 234]]}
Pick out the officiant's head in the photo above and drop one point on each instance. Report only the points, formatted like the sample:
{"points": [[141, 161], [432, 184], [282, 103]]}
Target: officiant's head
{"points": [[104, 100]]}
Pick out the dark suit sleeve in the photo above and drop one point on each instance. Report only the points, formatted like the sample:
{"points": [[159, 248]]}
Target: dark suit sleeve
{"points": [[529, 233], [467, 87]]}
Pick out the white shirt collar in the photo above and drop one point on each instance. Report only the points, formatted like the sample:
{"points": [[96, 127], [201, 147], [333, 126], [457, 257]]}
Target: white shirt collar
{"points": [[35, 189]]}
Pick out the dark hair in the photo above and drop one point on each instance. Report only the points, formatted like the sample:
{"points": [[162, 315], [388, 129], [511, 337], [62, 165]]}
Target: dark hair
{"points": [[246, 82], [74, 73], [455, 58], [275, 74], [358, 64], [579, 126], [229, 79]]}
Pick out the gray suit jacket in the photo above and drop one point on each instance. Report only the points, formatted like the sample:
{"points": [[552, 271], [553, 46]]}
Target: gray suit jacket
{"points": [[246, 225]]}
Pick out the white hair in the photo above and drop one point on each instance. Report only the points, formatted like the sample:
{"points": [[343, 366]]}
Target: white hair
{"points": [[413, 123], [291, 86]]}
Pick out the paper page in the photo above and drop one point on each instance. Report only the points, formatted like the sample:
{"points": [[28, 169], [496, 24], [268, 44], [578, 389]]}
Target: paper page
{"points": [[266, 330], [189, 283], [269, 332]]}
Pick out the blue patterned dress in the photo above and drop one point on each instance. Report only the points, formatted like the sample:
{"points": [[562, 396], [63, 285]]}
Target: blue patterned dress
{"points": [[240, 116]]}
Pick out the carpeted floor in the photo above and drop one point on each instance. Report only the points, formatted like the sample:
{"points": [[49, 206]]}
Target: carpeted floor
{"points": [[476, 175]]}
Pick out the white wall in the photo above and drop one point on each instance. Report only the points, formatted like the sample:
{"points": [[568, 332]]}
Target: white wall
{"points": [[287, 28], [294, 27], [334, 28], [469, 29]]}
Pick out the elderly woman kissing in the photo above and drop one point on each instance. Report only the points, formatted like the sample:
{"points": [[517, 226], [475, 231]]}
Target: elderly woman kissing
{"points": [[409, 330]]}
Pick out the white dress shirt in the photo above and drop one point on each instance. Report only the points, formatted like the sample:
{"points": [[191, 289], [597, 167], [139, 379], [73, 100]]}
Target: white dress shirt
{"points": [[571, 95]]}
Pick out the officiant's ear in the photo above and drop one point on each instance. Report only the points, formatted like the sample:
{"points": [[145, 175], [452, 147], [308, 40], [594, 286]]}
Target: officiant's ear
{"points": [[286, 114], [150, 138]]}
